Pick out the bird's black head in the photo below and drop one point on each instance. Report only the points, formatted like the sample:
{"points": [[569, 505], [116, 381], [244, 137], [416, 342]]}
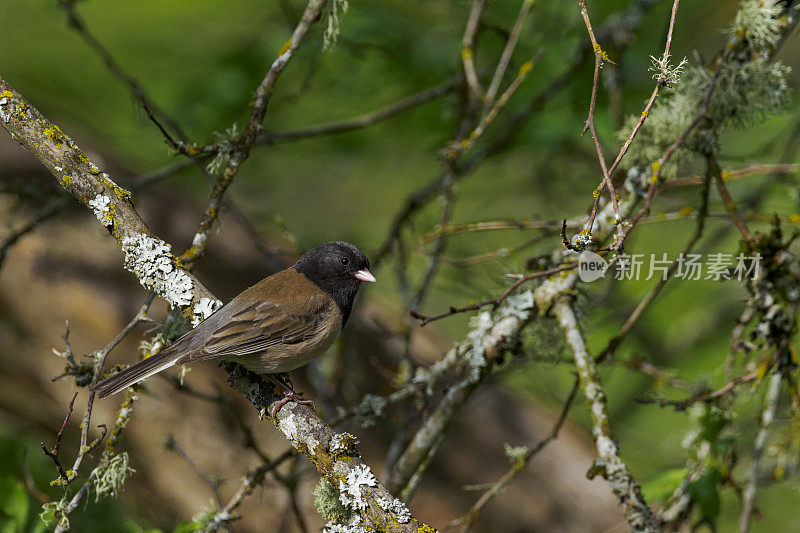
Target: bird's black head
{"points": [[338, 268]]}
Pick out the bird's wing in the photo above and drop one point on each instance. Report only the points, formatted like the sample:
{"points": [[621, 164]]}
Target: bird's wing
{"points": [[264, 325]]}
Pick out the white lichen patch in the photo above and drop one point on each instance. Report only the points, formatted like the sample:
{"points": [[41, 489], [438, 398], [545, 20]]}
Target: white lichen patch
{"points": [[552, 288], [311, 444], [150, 260], [330, 527], [605, 447], [101, 205], [519, 305], [204, 309], [481, 325], [350, 489], [199, 239], [5, 115], [289, 428], [396, 507]]}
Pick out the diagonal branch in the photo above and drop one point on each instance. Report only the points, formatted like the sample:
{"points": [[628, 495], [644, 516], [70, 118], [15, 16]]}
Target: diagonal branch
{"points": [[608, 464], [149, 258]]}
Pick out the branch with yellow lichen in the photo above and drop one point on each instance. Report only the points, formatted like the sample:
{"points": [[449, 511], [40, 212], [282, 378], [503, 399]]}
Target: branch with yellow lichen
{"points": [[149, 258]]}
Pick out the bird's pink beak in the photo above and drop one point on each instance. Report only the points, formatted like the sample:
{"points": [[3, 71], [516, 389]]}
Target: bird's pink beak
{"points": [[365, 275]]}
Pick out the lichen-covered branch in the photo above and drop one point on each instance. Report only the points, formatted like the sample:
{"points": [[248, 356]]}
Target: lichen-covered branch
{"points": [[335, 456], [491, 335], [150, 260], [767, 416], [148, 257], [608, 464]]}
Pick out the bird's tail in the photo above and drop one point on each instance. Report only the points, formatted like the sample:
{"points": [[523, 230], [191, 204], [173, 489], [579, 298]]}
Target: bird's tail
{"points": [[136, 373]]}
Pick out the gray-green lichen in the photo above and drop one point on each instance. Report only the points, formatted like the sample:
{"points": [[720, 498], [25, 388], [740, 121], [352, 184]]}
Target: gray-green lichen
{"points": [[664, 72], [370, 409], [757, 22], [110, 474], [336, 9], [225, 148], [327, 503], [54, 513], [515, 454], [749, 87], [150, 260]]}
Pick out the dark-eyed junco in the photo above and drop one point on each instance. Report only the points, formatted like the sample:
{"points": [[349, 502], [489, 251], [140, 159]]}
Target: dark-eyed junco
{"points": [[277, 325]]}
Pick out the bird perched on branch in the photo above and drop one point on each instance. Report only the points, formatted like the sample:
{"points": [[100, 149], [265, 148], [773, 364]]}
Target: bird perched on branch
{"points": [[279, 324]]}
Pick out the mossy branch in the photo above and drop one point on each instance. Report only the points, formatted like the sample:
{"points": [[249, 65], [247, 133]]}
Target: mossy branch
{"points": [[66, 161]]}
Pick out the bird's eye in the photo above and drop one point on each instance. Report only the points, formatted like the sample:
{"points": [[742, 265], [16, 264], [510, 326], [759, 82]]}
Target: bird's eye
{"points": [[345, 261]]}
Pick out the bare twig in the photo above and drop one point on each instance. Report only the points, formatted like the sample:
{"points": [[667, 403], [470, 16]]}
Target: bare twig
{"points": [[212, 482], [468, 518], [149, 106], [508, 51], [702, 396], [599, 58], [244, 142], [608, 174], [100, 358], [716, 173], [755, 169], [424, 319], [53, 454], [251, 482], [467, 52], [52, 207]]}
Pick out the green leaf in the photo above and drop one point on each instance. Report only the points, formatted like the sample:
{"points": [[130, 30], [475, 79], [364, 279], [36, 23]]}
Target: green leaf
{"points": [[13, 506], [705, 492], [133, 527], [187, 527], [664, 484]]}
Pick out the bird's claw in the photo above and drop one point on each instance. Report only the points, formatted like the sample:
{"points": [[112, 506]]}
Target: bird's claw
{"points": [[290, 396]]}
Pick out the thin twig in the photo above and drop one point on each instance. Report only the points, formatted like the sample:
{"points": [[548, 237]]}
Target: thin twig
{"points": [[52, 207], [212, 482], [53, 454], [149, 106], [702, 396], [599, 57], [253, 480], [637, 313], [508, 51], [727, 201], [244, 142], [468, 518], [424, 319], [467, 52], [100, 358]]}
